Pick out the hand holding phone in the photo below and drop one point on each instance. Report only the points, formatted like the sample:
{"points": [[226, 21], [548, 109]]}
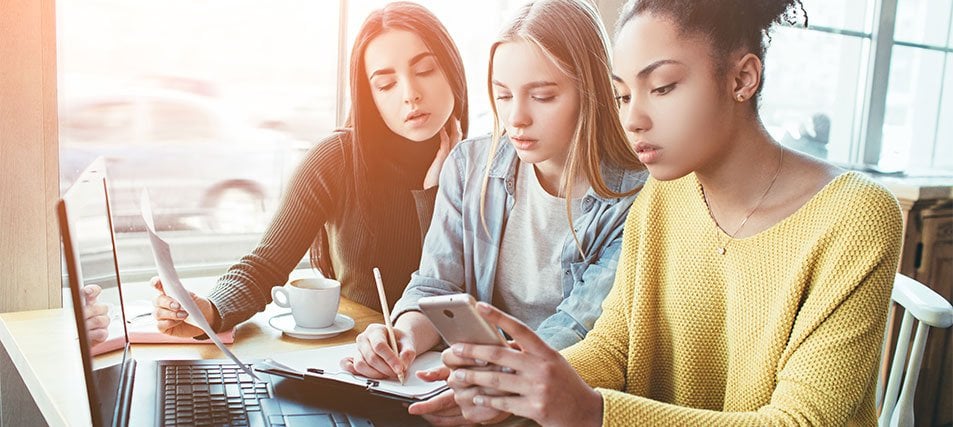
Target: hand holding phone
{"points": [[457, 321]]}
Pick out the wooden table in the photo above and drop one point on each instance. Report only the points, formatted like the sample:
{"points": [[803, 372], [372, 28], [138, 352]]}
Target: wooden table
{"points": [[43, 346]]}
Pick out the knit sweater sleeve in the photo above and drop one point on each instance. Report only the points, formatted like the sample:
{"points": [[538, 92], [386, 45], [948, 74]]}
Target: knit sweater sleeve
{"points": [[829, 364], [314, 193]]}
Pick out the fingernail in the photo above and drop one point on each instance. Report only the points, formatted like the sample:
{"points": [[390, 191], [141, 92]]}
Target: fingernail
{"points": [[457, 349], [88, 290], [460, 375], [175, 306], [483, 307], [181, 315], [480, 362], [478, 400]]}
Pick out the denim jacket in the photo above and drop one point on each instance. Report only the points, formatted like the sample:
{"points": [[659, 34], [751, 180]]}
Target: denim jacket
{"points": [[458, 255]]}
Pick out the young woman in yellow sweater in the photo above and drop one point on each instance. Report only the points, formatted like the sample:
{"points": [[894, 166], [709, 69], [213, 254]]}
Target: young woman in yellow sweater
{"points": [[754, 281]]}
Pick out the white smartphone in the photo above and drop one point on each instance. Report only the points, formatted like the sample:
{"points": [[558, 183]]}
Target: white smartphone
{"points": [[457, 320]]}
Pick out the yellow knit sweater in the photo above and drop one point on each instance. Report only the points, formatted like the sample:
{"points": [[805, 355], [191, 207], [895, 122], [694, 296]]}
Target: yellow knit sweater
{"points": [[784, 329]]}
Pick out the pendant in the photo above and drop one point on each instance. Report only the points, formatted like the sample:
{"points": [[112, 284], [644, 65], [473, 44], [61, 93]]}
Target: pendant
{"points": [[721, 250]]}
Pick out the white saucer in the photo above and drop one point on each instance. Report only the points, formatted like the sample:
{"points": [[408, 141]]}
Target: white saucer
{"points": [[286, 323]]}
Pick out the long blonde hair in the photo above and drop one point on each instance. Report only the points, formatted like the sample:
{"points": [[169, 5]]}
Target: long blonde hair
{"points": [[570, 33]]}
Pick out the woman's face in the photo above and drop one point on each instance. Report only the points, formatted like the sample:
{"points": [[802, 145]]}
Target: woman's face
{"points": [[673, 107], [409, 88], [536, 103]]}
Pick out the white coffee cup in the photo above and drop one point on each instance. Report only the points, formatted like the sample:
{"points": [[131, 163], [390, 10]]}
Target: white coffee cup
{"points": [[313, 301]]}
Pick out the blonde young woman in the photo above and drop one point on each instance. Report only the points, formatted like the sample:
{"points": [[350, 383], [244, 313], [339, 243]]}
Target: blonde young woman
{"points": [[530, 218]]}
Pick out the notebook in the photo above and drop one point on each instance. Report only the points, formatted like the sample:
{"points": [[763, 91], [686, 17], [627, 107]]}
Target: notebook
{"points": [[323, 365], [142, 328]]}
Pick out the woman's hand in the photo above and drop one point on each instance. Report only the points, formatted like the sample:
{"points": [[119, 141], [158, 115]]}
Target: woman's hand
{"points": [[171, 316], [539, 383], [375, 358], [442, 409], [95, 315], [448, 140]]}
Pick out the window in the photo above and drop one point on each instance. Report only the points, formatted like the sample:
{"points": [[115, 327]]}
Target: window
{"points": [[180, 122], [100, 122], [814, 110], [209, 105], [873, 81], [917, 88]]}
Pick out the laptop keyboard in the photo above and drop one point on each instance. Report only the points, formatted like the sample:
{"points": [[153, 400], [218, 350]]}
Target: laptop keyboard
{"points": [[212, 395], [223, 395]]}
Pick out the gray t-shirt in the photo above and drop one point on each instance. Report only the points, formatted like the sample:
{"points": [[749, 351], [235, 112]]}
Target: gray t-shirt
{"points": [[528, 284]]}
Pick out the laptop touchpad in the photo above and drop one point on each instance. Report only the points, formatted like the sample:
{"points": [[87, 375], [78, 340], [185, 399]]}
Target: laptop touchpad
{"points": [[309, 420]]}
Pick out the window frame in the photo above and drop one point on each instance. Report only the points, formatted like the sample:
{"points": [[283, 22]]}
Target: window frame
{"points": [[867, 144]]}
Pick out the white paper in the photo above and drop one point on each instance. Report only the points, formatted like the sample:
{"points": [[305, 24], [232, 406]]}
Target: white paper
{"points": [[173, 286], [328, 359]]}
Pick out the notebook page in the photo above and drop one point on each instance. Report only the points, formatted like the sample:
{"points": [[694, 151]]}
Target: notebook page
{"points": [[328, 359]]}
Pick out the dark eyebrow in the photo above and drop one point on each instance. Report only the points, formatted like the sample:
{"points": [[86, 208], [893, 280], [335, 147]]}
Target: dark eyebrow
{"points": [[653, 66], [413, 61], [533, 85]]}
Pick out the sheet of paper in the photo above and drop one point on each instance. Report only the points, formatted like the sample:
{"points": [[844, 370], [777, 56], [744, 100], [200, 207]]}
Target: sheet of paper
{"points": [[328, 359], [173, 285]]}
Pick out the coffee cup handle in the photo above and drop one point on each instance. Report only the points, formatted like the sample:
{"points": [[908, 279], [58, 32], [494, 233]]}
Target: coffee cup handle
{"points": [[280, 302]]}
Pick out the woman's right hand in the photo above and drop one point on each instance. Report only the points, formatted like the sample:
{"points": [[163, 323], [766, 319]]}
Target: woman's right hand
{"points": [[376, 359], [171, 316]]}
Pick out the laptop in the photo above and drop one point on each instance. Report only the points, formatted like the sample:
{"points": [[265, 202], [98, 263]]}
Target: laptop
{"points": [[123, 391]]}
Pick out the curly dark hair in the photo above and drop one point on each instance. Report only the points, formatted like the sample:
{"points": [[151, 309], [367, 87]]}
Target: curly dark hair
{"points": [[728, 25]]}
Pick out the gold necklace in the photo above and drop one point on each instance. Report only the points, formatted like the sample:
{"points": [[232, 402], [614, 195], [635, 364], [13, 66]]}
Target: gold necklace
{"points": [[723, 249]]}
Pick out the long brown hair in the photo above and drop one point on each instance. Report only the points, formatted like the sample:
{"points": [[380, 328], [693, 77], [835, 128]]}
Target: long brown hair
{"points": [[364, 120], [570, 33]]}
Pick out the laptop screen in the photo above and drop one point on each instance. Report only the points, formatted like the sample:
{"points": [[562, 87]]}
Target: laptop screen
{"points": [[90, 262]]}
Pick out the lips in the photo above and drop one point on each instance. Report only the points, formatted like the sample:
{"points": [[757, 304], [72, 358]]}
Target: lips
{"points": [[416, 116], [523, 142], [416, 120], [647, 153]]}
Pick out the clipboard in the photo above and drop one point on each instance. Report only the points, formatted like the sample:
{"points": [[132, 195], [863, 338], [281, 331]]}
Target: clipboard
{"points": [[321, 366]]}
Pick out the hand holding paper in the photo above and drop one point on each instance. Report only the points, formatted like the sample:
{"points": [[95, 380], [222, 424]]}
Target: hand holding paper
{"points": [[173, 285]]}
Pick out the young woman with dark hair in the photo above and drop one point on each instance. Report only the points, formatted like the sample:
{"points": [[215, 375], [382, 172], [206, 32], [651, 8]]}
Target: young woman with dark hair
{"points": [[362, 197]]}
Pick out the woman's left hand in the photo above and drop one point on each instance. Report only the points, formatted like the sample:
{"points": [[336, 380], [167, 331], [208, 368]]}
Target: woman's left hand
{"points": [[540, 383], [442, 409]]}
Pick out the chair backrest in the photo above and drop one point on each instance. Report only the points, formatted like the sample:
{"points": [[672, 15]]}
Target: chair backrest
{"points": [[928, 309]]}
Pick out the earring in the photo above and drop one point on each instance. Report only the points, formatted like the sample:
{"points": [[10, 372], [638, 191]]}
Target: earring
{"points": [[741, 97]]}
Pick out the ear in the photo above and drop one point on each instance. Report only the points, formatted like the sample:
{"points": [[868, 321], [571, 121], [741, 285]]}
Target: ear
{"points": [[746, 77]]}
